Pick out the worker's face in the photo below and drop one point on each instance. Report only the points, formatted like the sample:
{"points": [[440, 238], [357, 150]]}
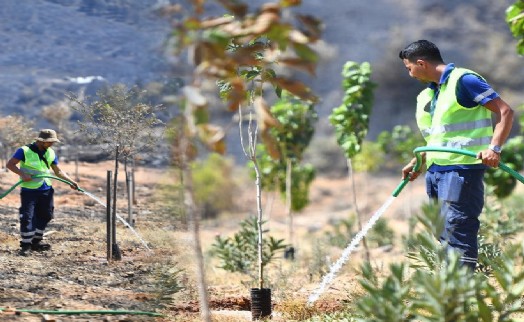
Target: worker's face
{"points": [[417, 70], [47, 145]]}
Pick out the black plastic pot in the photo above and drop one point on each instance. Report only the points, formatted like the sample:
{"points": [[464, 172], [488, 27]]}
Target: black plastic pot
{"points": [[117, 254], [260, 303], [289, 253]]}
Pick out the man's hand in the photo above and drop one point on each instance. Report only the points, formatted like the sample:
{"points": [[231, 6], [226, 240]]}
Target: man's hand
{"points": [[25, 177], [489, 158], [407, 172], [73, 185]]}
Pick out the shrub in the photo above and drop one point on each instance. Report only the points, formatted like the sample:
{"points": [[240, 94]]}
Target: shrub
{"points": [[343, 231], [239, 252], [440, 288], [381, 234], [214, 187], [168, 280]]}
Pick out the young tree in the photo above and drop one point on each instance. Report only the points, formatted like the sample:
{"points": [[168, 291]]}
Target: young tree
{"points": [[296, 128], [15, 131], [119, 123], [351, 119], [119, 118], [515, 21], [241, 50], [187, 131]]}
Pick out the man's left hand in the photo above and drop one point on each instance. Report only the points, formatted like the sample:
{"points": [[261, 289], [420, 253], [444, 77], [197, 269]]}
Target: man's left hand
{"points": [[489, 158]]}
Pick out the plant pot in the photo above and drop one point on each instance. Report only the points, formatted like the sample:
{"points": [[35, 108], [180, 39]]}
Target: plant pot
{"points": [[289, 253], [117, 255], [260, 303]]}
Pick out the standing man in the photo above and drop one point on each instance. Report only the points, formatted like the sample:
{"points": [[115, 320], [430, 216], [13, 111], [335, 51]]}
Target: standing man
{"points": [[37, 204], [455, 111]]}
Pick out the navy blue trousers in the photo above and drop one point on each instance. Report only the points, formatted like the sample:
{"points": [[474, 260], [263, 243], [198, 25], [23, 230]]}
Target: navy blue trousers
{"points": [[460, 194], [36, 211]]}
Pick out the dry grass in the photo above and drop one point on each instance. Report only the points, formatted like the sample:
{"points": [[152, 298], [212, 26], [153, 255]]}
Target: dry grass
{"points": [[292, 282]]}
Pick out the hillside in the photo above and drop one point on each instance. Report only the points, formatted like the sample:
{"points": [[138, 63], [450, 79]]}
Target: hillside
{"points": [[50, 47]]}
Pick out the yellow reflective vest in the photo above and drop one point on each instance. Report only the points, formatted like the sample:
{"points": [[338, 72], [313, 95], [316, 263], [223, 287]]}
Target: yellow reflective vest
{"points": [[34, 165], [453, 125]]}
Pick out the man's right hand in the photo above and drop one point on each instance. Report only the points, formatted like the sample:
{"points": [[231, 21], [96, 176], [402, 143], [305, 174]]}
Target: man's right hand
{"points": [[26, 177], [407, 172]]}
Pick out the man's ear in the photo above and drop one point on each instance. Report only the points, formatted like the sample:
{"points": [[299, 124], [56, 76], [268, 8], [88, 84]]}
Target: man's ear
{"points": [[421, 63]]}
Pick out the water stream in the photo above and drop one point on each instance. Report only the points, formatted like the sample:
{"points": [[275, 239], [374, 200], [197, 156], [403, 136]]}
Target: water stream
{"points": [[349, 249], [95, 198]]}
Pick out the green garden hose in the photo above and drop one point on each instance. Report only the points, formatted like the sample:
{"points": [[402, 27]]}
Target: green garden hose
{"points": [[74, 312], [417, 166], [38, 176]]}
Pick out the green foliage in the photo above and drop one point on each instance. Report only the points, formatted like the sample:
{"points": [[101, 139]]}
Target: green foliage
{"points": [[381, 234], [370, 158], [239, 252], [234, 48], [273, 178], [498, 228], [423, 247], [503, 297], [515, 21], [440, 289], [520, 109], [448, 293], [168, 280], [389, 301], [400, 142], [214, 187], [293, 136], [302, 176], [344, 230], [351, 119], [272, 172], [297, 126], [318, 265], [513, 156], [333, 317]]}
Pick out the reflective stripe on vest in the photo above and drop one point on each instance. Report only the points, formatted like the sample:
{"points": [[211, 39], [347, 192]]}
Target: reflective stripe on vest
{"points": [[453, 125], [33, 165]]}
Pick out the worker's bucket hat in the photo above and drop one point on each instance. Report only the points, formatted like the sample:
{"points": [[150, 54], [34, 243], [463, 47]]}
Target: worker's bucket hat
{"points": [[47, 135]]}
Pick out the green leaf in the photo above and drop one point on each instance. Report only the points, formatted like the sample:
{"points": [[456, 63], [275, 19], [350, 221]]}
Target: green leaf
{"points": [[306, 53]]}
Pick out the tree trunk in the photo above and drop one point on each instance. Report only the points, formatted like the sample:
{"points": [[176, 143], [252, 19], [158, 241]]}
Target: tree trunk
{"points": [[289, 210], [250, 153], [116, 251], [357, 211], [259, 225], [130, 184], [194, 226], [133, 165]]}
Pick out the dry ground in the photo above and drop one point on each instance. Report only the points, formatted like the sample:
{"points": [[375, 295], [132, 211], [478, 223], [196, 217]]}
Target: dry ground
{"points": [[75, 274]]}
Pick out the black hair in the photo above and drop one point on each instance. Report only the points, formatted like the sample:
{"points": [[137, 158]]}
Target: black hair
{"points": [[421, 49]]}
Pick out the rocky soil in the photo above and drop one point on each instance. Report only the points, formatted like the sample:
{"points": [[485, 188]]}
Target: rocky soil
{"points": [[75, 274]]}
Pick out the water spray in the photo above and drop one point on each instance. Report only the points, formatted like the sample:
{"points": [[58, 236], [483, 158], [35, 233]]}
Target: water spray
{"points": [[84, 192], [328, 278]]}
